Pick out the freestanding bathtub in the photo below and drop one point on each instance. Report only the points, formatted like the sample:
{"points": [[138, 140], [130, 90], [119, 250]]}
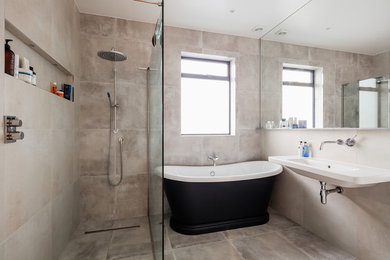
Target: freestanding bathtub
{"points": [[207, 199]]}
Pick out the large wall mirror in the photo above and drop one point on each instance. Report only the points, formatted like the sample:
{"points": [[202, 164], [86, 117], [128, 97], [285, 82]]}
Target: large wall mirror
{"points": [[328, 66]]}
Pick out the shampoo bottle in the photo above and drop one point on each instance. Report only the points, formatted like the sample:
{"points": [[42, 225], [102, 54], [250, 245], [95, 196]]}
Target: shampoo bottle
{"points": [[9, 59], [300, 147], [305, 150]]}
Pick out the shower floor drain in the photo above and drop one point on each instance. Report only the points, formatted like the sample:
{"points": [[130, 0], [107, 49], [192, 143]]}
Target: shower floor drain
{"points": [[110, 229]]}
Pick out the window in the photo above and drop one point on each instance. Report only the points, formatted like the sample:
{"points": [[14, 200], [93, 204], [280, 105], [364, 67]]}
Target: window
{"points": [[299, 95], [206, 97]]}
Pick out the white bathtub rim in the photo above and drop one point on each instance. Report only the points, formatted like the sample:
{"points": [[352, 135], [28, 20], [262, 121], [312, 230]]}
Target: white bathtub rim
{"points": [[275, 169]]}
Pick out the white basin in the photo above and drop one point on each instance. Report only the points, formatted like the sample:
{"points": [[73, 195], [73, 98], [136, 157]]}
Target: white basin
{"points": [[333, 172]]}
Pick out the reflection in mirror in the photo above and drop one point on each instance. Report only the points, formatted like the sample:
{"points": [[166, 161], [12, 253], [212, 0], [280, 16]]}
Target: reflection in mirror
{"points": [[366, 103], [350, 57]]}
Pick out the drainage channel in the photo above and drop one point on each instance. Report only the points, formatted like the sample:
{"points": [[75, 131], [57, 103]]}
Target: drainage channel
{"points": [[110, 229]]}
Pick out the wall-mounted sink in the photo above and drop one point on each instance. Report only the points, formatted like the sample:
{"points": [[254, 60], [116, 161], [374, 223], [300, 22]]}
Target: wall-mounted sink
{"points": [[333, 172]]}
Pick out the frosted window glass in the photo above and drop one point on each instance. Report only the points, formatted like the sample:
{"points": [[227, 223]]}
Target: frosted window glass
{"points": [[368, 109], [202, 67], [298, 102], [368, 83], [297, 76], [205, 106]]}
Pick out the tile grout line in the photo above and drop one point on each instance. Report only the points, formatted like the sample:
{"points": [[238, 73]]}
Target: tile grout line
{"points": [[293, 245], [230, 241]]}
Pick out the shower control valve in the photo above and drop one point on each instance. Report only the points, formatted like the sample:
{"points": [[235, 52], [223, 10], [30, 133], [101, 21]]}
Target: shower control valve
{"points": [[10, 129]]}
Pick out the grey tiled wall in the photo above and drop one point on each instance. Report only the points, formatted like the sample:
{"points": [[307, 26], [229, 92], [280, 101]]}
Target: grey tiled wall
{"points": [[338, 68], [99, 201], [193, 150]]}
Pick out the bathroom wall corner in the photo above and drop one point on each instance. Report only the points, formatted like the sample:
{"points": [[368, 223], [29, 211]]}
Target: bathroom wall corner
{"points": [[2, 173]]}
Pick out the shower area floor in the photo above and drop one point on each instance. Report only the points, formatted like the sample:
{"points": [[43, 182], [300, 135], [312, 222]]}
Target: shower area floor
{"points": [[127, 239], [280, 238]]}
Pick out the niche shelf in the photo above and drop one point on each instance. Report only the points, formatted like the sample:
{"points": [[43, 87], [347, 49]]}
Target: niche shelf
{"points": [[26, 40]]}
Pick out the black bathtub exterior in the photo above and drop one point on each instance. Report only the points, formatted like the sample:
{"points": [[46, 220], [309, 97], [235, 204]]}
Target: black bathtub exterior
{"points": [[203, 207]]}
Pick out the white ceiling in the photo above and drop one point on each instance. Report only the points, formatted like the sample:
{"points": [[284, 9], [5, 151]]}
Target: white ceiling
{"points": [[361, 26]]}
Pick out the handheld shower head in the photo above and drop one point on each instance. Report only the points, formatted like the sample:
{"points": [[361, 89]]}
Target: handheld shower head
{"points": [[109, 98]]}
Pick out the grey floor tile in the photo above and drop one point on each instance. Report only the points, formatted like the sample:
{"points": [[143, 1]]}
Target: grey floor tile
{"points": [[247, 231], [222, 250], [279, 222], [130, 242], [267, 246], [142, 257], [280, 238], [129, 250], [314, 246], [276, 222], [168, 255], [88, 247], [134, 235], [142, 221], [179, 240]]}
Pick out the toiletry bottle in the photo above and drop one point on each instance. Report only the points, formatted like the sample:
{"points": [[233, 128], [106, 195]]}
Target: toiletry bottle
{"points": [[305, 150], [53, 87], [34, 77], [300, 147], [16, 67], [284, 123], [67, 91], [9, 59], [25, 75]]}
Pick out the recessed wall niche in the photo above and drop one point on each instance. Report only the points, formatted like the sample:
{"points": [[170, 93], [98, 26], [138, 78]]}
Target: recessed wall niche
{"points": [[47, 69]]}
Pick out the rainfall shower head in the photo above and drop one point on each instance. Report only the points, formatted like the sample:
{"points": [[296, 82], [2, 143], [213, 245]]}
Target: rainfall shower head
{"points": [[112, 55]]}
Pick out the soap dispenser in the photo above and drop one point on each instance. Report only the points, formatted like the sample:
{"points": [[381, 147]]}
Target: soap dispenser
{"points": [[9, 59], [305, 150], [300, 148]]}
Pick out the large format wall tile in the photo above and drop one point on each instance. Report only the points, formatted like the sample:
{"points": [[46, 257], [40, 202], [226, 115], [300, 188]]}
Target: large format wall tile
{"points": [[94, 68], [135, 31], [27, 184], [138, 56], [193, 150], [97, 25], [134, 40], [2, 193], [131, 198], [133, 110], [61, 151], [97, 198], [93, 151], [94, 105], [134, 152], [35, 170], [33, 240], [62, 220]]}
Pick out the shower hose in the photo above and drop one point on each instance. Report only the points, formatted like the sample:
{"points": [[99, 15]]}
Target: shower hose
{"points": [[121, 139]]}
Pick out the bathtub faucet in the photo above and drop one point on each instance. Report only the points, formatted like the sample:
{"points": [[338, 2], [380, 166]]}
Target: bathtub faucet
{"points": [[213, 158]]}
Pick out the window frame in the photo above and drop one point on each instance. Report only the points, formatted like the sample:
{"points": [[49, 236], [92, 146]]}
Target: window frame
{"points": [[227, 78], [301, 84]]}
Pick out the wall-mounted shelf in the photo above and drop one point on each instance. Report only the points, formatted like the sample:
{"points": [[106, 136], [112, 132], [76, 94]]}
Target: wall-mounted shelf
{"points": [[9, 80], [26, 40]]}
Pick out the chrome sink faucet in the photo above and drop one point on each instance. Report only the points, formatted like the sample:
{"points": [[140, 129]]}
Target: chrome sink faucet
{"points": [[213, 158], [349, 142]]}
